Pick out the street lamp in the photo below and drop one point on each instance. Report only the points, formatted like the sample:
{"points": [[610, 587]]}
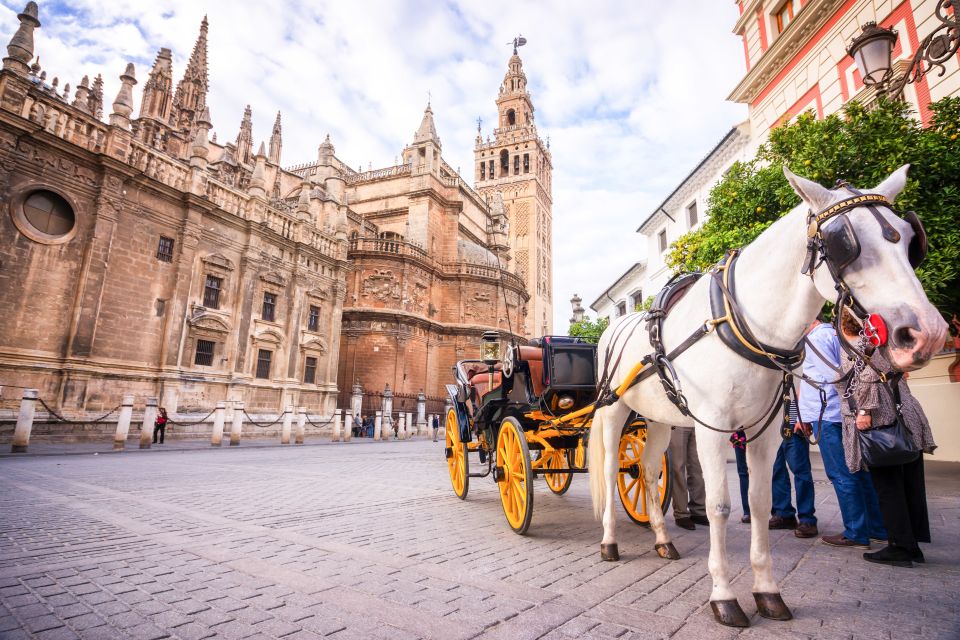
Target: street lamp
{"points": [[873, 50]]}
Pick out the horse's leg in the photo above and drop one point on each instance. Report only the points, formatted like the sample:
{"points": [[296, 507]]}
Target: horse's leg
{"points": [[613, 418], [760, 455], [658, 438], [712, 449]]}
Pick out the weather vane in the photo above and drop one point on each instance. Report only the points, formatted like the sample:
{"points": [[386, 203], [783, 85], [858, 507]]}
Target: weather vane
{"points": [[519, 41]]}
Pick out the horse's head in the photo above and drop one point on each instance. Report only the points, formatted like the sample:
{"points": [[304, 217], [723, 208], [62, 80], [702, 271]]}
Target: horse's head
{"points": [[873, 251]]}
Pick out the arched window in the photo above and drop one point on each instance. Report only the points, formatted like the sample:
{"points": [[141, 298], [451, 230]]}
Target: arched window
{"points": [[516, 165], [526, 163], [483, 170], [511, 117], [504, 163]]}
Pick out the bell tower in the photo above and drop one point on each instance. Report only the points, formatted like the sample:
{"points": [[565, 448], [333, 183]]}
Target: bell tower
{"points": [[517, 164]]}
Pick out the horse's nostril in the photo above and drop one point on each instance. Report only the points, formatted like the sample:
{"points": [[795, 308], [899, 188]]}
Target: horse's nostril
{"points": [[904, 338]]}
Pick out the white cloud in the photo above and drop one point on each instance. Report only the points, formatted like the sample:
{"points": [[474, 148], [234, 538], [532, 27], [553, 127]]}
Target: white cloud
{"points": [[631, 93]]}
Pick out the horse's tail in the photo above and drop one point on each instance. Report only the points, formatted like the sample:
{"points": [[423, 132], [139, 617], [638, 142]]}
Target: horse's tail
{"points": [[598, 479]]}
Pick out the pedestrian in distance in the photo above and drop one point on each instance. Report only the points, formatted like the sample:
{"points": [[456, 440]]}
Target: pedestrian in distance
{"points": [[739, 442], [859, 508], [901, 488], [160, 425], [689, 493], [436, 427], [794, 453]]}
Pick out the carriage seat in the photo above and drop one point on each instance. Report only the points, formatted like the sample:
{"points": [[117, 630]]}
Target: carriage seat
{"points": [[533, 356], [479, 379]]}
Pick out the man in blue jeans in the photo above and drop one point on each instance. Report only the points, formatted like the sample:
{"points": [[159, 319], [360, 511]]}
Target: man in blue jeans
{"points": [[794, 453], [855, 493]]}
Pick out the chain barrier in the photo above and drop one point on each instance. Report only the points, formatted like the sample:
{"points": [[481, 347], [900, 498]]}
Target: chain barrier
{"points": [[60, 418], [262, 425], [322, 424], [202, 420]]}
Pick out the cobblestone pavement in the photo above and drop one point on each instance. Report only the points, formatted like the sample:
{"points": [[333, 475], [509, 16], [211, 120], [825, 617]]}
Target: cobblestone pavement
{"points": [[366, 540]]}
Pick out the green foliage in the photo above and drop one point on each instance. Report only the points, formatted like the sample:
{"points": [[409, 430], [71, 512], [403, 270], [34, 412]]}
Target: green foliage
{"points": [[862, 147], [588, 330]]}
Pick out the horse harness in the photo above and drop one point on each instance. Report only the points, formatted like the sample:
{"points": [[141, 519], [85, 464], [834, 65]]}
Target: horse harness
{"points": [[837, 246]]}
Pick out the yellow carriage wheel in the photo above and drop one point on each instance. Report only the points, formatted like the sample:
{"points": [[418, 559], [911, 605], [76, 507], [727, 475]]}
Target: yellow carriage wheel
{"points": [[631, 485], [456, 452], [556, 459], [514, 475]]}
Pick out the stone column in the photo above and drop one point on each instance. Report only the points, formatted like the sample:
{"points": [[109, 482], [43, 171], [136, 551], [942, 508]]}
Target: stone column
{"points": [[402, 427], [337, 416], [356, 399], [21, 434], [387, 408], [217, 438], [123, 423], [287, 424], [377, 425], [237, 427], [301, 425], [348, 425], [146, 427], [421, 413]]}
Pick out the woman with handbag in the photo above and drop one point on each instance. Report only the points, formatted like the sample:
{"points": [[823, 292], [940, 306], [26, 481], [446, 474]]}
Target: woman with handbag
{"points": [[886, 431]]}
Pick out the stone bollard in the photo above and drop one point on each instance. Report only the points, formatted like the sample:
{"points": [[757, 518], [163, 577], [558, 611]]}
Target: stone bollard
{"points": [[348, 425], [301, 425], [287, 424], [21, 433], [336, 424], [123, 423], [237, 428], [402, 427], [411, 426], [216, 439], [149, 420], [377, 425], [421, 413]]}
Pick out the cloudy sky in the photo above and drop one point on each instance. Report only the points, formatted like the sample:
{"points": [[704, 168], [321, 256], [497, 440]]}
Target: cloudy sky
{"points": [[630, 93]]}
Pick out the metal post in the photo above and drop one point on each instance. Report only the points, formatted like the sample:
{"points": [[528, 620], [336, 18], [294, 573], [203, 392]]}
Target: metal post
{"points": [[377, 424], [21, 434], [287, 424], [123, 423], [237, 427], [149, 419], [337, 416], [301, 424], [216, 439]]}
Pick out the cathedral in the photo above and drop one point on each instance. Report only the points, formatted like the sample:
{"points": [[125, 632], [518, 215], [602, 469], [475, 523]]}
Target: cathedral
{"points": [[142, 256]]}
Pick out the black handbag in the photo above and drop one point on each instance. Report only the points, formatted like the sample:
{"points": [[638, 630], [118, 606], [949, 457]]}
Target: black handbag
{"points": [[890, 444]]}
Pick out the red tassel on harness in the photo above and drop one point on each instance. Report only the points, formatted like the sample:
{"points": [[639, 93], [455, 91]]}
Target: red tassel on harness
{"points": [[876, 330]]}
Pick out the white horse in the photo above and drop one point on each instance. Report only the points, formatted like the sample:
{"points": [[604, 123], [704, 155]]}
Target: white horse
{"points": [[727, 391]]}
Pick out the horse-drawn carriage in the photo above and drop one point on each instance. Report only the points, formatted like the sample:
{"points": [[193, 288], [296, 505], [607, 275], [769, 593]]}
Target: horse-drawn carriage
{"points": [[528, 414]]}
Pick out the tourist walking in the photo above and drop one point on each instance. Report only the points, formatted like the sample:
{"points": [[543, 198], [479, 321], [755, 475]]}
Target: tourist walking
{"points": [[857, 499], [794, 453], [160, 425], [901, 488], [688, 492], [436, 427]]}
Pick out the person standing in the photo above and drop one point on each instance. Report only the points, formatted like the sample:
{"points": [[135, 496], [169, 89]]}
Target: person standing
{"points": [[900, 488], [160, 425], [856, 496], [739, 442], [688, 492], [794, 453], [436, 427]]}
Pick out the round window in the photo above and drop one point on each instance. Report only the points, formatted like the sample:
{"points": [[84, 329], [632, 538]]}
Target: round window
{"points": [[49, 214]]}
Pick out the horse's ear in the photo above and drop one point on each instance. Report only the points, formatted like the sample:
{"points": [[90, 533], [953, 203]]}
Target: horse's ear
{"points": [[815, 195], [893, 185]]}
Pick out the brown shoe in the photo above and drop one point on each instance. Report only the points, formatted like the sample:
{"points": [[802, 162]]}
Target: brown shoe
{"points": [[701, 520], [840, 541], [686, 523], [745, 519], [776, 522], [805, 530]]}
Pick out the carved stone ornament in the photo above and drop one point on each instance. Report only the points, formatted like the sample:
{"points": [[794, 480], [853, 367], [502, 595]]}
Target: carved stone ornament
{"points": [[318, 294], [203, 320], [382, 285], [218, 261], [272, 277], [314, 344]]}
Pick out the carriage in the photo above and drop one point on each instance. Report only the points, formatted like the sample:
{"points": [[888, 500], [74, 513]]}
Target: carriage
{"points": [[528, 414]]}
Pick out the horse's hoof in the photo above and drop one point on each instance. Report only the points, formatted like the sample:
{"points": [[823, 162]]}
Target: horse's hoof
{"points": [[667, 551], [609, 552], [771, 605], [729, 613]]}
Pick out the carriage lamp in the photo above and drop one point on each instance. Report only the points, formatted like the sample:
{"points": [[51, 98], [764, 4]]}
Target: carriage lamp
{"points": [[873, 52], [490, 348]]}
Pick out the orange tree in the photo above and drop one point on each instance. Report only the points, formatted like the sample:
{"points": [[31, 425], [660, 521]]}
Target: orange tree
{"points": [[862, 147]]}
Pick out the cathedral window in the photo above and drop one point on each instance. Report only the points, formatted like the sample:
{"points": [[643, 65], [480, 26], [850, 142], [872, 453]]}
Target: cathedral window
{"points": [[310, 370], [165, 249], [313, 320], [204, 353], [483, 170], [516, 165], [269, 310], [511, 117], [526, 163], [211, 292], [504, 163], [46, 215], [491, 170], [263, 363]]}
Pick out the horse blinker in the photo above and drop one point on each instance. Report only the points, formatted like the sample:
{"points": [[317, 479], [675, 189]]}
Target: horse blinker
{"points": [[840, 243]]}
